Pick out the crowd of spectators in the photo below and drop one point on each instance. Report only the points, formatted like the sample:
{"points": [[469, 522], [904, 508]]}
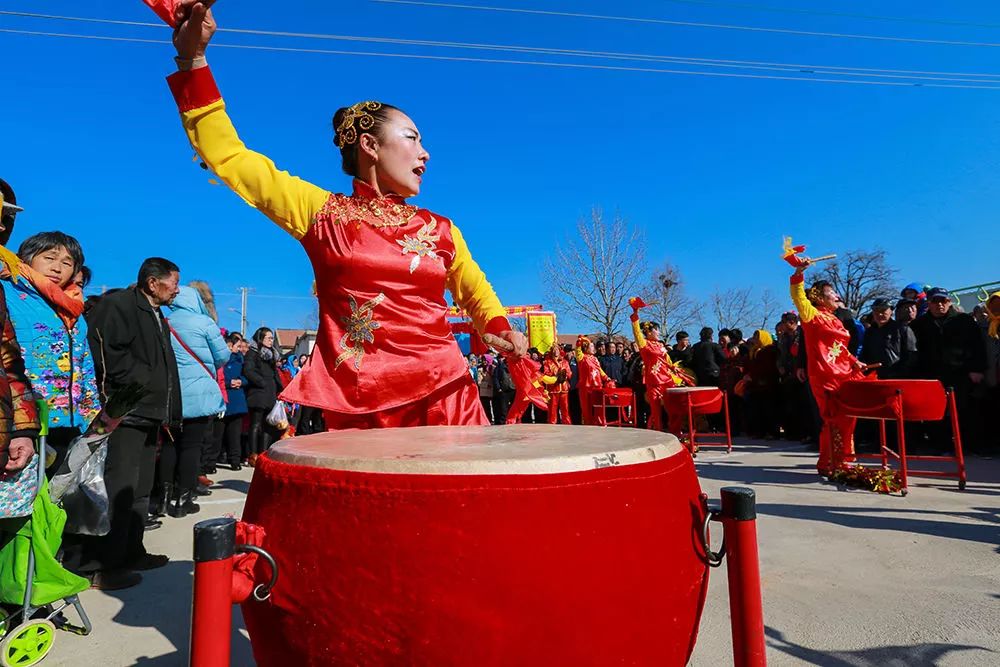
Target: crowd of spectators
{"points": [[923, 335]]}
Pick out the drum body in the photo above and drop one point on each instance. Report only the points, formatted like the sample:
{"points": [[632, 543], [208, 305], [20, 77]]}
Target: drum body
{"points": [[520, 545], [703, 400], [913, 400]]}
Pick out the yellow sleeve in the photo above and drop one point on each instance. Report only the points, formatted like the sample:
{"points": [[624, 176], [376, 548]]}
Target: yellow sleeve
{"points": [[289, 201], [549, 379], [578, 352], [806, 310], [640, 340], [472, 292]]}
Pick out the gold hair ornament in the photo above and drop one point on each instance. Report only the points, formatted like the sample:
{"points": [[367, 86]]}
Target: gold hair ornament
{"points": [[357, 117]]}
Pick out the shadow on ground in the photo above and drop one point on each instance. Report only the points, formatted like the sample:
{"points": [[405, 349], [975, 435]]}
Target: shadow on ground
{"points": [[170, 614], [986, 530], [879, 656], [238, 485]]}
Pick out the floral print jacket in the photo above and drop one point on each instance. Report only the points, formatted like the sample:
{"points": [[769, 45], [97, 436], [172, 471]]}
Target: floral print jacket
{"points": [[56, 357]]}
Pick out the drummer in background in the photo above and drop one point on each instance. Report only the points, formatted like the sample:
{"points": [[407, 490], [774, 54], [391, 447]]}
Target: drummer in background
{"points": [[830, 364], [592, 379], [384, 354], [658, 370]]}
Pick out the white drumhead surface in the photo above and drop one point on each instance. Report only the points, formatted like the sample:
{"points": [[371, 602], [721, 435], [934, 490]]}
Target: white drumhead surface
{"points": [[521, 449]]}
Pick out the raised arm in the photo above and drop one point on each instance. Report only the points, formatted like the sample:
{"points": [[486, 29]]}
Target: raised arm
{"points": [[287, 200], [806, 310]]}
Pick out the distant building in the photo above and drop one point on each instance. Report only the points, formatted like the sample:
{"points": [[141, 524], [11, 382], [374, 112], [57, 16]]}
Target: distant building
{"points": [[297, 341]]}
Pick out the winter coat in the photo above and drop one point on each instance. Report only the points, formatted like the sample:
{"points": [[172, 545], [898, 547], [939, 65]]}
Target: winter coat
{"points": [[263, 383], [237, 404], [18, 412], [190, 323], [56, 357], [949, 347], [894, 346], [131, 344]]}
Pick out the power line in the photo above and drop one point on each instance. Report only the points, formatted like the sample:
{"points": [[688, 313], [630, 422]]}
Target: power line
{"points": [[610, 55], [412, 56], [822, 12], [688, 24]]}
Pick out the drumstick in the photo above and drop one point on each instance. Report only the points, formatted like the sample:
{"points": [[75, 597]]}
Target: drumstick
{"points": [[498, 343], [813, 260], [870, 367]]}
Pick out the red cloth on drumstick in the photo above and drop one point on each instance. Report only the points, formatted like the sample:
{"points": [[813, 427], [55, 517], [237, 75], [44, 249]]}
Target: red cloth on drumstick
{"points": [[164, 9], [245, 563]]}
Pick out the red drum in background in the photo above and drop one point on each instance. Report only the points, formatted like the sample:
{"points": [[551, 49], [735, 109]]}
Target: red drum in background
{"points": [[688, 402], [918, 400], [524, 545]]}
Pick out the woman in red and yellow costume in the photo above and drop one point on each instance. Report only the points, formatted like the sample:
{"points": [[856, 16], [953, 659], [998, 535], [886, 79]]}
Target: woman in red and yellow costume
{"points": [[828, 362], [556, 368], [592, 379], [659, 372], [385, 355]]}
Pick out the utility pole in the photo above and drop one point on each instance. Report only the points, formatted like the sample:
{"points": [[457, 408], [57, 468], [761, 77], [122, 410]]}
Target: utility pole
{"points": [[243, 310]]}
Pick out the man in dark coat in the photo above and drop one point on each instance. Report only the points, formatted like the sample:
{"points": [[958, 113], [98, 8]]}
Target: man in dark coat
{"points": [[706, 359], [889, 343], [950, 348], [130, 340]]}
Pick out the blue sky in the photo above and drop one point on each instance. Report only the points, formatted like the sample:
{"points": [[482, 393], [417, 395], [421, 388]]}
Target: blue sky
{"points": [[715, 170]]}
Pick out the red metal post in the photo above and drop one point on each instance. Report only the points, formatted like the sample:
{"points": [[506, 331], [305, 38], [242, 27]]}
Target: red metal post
{"points": [[211, 609], [739, 524]]}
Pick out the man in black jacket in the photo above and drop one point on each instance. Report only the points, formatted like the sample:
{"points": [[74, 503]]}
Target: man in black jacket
{"points": [[130, 341], [950, 349], [706, 358], [889, 343]]}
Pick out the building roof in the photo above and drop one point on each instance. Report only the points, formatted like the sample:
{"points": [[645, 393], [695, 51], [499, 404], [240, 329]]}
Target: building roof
{"points": [[287, 338]]}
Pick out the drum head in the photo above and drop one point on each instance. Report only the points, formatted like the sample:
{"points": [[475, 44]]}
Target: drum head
{"points": [[521, 449]]}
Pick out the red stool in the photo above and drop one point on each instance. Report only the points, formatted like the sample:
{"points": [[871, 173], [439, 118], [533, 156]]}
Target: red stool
{"points": [[700, 401], [620, 398], [902, 401]]}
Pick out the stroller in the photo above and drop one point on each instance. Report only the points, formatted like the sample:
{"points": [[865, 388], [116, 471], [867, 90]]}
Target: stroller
{"points": [[34, 587]]}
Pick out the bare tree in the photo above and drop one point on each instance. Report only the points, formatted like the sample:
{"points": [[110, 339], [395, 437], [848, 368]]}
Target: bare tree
{"points": [[767, 308], [860, 277], [594, 275], [672, 308], [732, 308]]}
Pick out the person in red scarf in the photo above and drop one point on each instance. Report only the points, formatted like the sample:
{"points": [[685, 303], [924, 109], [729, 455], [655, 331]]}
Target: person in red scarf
{"points": [[829, 364], [592, 379], [658, 371], [557, 368], [384, 354]]}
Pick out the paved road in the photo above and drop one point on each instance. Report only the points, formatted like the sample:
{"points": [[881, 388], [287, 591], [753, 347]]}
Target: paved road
{"points": [[850, 578]]}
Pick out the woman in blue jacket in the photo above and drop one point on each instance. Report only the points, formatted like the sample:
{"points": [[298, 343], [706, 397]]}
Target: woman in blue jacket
{"points": [[201, 352], [236, 408], [52, 336]]}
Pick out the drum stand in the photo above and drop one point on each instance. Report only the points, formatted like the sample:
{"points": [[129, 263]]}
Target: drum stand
{"points": [[892, 407], [623, 400]]}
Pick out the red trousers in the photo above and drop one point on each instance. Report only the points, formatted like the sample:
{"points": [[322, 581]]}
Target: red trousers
{"points": [[559, 406], [836, 440], [590, 415], [455, 404], [517, 408]]}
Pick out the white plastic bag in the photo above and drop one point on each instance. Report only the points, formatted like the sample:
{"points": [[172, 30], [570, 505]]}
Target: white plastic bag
{"points": [[86, 497], [278, 416]]}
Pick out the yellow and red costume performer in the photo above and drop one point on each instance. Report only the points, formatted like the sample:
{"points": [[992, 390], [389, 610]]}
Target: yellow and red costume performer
{"points": [[828, 365], [556, 368], [592, 380], [659, 372], [385, 355]]}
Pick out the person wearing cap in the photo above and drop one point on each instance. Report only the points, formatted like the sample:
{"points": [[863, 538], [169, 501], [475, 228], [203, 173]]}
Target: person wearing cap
{"points": [[950, 348], [889, 343], [906, 310]]}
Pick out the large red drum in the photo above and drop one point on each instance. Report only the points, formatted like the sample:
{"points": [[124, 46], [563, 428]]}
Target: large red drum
{"points": [[913, 400], [516, 545]]}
